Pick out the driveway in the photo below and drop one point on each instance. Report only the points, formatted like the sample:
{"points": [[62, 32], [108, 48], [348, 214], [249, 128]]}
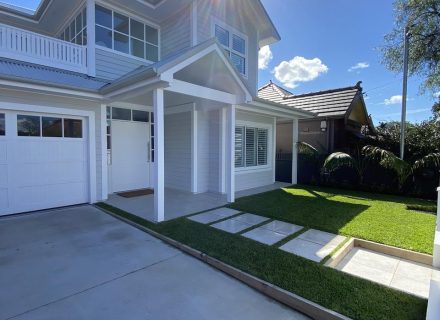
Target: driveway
{"points": [[80, 263]]}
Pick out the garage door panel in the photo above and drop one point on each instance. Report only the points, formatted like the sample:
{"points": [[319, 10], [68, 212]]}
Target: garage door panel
{"points": [[3, 151]]}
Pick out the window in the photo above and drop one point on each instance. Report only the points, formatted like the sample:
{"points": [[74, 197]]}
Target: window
{"points": [[2, 124], [28, 126], [124, 34], [76, 31], [121, 114], [52, 127], [251, 146], [109, 135], [235, 46], [72, 128], [140, 116]]}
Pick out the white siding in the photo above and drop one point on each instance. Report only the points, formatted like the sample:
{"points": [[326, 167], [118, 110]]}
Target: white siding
{"points": [[248, 179], [68, 103], [111, 65], [178, 151], [176, 33]]}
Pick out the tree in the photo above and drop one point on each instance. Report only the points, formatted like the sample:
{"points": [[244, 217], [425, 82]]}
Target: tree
{"points": [[338, 160], [423, 20]]}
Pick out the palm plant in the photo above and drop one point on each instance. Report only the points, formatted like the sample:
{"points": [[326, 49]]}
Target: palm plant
{"points": [[307, 149], [338, 160], [432, 160]]}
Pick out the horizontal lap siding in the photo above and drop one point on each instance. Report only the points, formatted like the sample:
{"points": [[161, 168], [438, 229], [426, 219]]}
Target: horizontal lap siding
{"points": [[176, 33], [178, 151], [111, 65]]}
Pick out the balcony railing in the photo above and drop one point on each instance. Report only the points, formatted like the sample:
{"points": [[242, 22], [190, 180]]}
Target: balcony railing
{"points": [[35, 48]]}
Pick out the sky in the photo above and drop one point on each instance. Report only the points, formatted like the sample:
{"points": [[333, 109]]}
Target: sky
{"points": [[332, 44]]}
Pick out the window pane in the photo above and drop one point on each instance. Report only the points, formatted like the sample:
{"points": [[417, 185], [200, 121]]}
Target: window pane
{"points": [[103, 37], [28, 126], [222, 35], [262, 146], [137, 29], [121, 43], [239, 147], [141, 116], [251, 147], [78, 39], [109, 112], [84, 37], [109, 127], [152, 130], [137, 48], [52, 127], [84, 17], [103, 16], [72, 128], [67, 34], [152, 52], [238, 44], [109, 143], [72, 30], [2, 124], [121, 114], [151, 35], [239, 62], [120, 23], [79, 25], [152, 117]]}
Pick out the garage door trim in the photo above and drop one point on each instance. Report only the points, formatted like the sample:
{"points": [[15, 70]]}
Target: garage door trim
{"points": [[90, 117]]}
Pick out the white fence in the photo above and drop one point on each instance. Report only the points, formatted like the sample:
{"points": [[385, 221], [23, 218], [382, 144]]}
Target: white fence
{"points": [[35, 48]]}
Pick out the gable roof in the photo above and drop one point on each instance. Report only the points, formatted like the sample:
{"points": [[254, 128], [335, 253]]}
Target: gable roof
{"points": [[333, 103]]}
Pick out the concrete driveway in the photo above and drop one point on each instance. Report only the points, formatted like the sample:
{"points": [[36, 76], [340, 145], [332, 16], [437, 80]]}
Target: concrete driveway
{"points": [[80, 263]]}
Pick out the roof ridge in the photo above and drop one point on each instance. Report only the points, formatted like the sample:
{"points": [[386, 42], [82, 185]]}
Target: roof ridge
{"points": [[356, 86], [281, 91]]}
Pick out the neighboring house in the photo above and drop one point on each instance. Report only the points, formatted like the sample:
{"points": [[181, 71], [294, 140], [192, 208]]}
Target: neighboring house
{"points": [[108, 96], [341, 117]]}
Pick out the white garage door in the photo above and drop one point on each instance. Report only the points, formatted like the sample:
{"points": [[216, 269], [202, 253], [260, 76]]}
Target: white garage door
{"points": [[43, 161]]}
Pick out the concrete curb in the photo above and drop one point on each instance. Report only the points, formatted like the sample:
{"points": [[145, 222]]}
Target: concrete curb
{"points": [[307, 307]]}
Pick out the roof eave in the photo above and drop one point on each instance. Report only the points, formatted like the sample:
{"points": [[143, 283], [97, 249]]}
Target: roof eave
{"points": [[301, 114]]}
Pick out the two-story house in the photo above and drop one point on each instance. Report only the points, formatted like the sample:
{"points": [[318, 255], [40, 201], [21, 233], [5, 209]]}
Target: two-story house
{"points": [[103, 96]]}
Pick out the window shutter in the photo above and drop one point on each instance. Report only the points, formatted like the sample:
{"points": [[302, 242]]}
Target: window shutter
{"points": [[251, 147], [262, 146], [239, 147], [222, 35]]}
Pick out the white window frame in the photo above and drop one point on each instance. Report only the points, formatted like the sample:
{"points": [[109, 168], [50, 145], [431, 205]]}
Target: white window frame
{"points": [[71, 19], [129, 16], [257, 125], [232, 31]]}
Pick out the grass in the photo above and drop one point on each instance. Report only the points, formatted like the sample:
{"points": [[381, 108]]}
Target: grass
{"points": [[379, 218], [348, 295], [423, 208]]}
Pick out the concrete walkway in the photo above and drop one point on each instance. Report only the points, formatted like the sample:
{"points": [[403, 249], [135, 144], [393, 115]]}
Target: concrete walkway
{"points": [[79, 263]]}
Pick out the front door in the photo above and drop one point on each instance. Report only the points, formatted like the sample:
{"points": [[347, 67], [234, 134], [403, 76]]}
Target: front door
{"points": [[130, 155]]}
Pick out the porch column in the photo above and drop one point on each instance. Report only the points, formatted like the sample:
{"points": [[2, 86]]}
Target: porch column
{"points": [[295, 136], [230, 154], [90, 10], [159, 161]]}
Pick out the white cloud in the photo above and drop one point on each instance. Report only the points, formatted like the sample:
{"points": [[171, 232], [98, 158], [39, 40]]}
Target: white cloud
{"points": [[299, 69], [359, 65], [393, 100], [437, 94], [264, 57]]}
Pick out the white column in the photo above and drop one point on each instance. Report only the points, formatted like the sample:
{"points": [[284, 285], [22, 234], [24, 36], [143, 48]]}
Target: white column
{"points": [[104, 159], [159, 154], [230, 153], [194, 152], [91, 57], [223, 151], [436, 262], [295, 135]]}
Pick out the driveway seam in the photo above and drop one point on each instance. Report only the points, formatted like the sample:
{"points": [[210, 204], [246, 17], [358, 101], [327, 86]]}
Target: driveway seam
{"points": [[95, 286]]}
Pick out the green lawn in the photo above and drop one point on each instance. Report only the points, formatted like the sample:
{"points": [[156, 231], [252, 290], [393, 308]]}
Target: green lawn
{"points": [[354, 297], [379, 218]]}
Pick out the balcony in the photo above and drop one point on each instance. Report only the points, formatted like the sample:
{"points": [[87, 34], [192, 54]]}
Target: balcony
{"points": [[35, 48]]}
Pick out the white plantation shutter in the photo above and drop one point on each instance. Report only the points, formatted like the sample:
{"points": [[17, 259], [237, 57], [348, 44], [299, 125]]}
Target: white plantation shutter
{"points": [[251, 147], [239, 147], [262, 146]]}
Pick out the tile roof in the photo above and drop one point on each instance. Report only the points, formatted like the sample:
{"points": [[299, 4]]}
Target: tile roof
{"points": [[19, 70], [329, 103]]}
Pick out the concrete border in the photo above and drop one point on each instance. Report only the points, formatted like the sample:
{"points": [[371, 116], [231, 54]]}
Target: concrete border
{"points": [[341, 253], [307, 307]]}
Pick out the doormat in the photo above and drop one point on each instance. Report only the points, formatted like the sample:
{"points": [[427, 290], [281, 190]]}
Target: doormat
{"points": [[136, 193]]}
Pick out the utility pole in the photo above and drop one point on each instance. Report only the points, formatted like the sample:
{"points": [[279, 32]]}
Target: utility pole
{"points": [[404, 94]]}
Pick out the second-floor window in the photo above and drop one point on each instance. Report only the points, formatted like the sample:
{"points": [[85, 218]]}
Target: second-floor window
{"points": [[76, 31], [124, 34], [234, 44]]}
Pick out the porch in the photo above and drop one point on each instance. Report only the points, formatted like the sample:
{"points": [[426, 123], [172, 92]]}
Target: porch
{"points": [[180, 203]]}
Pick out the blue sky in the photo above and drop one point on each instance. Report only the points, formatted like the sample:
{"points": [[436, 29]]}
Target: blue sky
{"points": [[322, 40]]}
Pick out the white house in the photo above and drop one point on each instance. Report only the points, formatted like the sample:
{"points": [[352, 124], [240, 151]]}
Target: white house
{"points": [[103, 96]]}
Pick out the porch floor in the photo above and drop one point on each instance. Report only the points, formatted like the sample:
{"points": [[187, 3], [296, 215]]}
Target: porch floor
{"points": [[180, 203]]}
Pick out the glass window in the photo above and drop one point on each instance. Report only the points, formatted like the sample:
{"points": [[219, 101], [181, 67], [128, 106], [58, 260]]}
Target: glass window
{"points": [[151, 35], [235, 47], [239, 147], [28, 126], [238, 44], [2, 124], [121, 114], [222, 35], [103, 37], [251, 147], [103, 16], [137, 29], [239, 62], [141, 116], [79, 25], [137, 48], [152, 52], [72, 128], [52, 127], [84, 17], [72, 31], [121, 43], [120, 23], [262, 147]]}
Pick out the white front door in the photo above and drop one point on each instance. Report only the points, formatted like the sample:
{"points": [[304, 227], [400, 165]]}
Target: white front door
{"points": [[43, 161], [130, 155]]}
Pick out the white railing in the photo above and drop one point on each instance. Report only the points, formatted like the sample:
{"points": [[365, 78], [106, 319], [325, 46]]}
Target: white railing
{"points": [[35, 48]]}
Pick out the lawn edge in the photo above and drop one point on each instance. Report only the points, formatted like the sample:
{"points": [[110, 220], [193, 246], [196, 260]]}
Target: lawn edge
{"points": [[298, 303]]}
